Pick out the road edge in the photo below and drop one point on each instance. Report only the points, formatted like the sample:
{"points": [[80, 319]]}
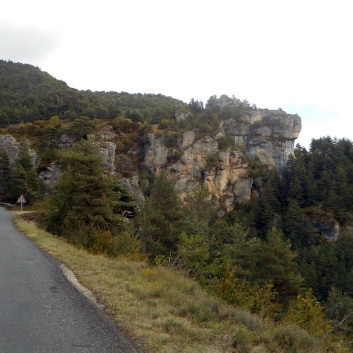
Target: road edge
{"points": [[70, 276]]}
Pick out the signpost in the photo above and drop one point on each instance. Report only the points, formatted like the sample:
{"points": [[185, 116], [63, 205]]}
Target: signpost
{"points": [[21, 200]]}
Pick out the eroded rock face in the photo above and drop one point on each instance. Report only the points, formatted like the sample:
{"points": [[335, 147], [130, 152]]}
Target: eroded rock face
{"points": [[268, 135], [330, 231], [10, 145], [198, 162], [106, 138], [132, 186], [156, 155], [182, 116], [107, 150], [226, 180], [50, 175], [12, 148], [67, 140], [270, 153]]}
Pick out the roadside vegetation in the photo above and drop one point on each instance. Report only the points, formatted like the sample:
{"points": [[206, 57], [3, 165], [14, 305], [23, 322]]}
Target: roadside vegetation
{"points": [[165, 311]]}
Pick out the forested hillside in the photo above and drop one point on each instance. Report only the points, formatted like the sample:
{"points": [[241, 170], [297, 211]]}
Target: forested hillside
{"points": [[285, 251], [28, 94]]}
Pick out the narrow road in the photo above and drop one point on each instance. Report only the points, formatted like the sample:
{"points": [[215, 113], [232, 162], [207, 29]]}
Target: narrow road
{"points": [[40, 311]]}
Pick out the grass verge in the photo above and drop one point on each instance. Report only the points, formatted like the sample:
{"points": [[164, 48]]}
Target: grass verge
{"points": [[167, 311]]}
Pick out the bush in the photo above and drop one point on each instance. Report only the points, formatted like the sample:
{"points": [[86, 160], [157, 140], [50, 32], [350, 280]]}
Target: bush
{"points": [[296, 338], [212, 161], [174, 156], [225, 142], [242, 341], [125, 243], [170, 139]]}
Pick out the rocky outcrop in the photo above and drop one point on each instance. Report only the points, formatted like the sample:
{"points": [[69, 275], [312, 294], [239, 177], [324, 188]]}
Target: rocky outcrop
{"points": [[197, 161], [50, 175], [10, 145], [106, 137], [330, 231], [12, 148], [182, 116], [107, 150], [67, 140], [202, 164], [268, 135], [323, 222], [156, 156], [132, 186], [106, 133]]}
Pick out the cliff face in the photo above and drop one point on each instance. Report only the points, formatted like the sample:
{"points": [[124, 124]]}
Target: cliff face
{"points": [[267, 134], [199, 162], [12, 147]]}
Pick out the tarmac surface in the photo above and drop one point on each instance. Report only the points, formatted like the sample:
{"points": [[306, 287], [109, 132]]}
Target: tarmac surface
{"points": [[40, 310]]}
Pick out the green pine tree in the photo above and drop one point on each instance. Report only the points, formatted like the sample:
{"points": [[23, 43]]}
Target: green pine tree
{"points": [[158, 220], [86, 206], [24, 179], [5, 175], [276, 265]]}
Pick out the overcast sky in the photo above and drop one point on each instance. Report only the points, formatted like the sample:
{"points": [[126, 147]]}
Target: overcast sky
{"points": [[296, 55]]}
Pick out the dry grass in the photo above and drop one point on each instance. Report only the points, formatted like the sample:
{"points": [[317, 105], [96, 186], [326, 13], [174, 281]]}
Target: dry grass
{"points": [[166, 310]]}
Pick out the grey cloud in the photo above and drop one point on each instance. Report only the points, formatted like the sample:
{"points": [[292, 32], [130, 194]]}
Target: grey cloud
{"points": [[26, 44]]}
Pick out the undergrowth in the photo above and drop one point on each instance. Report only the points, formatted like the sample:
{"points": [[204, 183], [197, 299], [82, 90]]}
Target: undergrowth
{"points": [[167, 311]]}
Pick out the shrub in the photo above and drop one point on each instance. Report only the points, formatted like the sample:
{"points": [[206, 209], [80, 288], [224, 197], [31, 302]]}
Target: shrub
{"points": [[295, 338], [170, 139], [225, 142], [212, 161]]}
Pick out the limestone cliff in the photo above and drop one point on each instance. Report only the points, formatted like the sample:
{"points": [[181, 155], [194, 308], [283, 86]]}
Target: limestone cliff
{"points": [[12, 147], [196, 160], [267, 134]]}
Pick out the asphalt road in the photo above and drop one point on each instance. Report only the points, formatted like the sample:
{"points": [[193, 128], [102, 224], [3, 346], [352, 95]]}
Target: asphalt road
{"points": [[40, 310]]}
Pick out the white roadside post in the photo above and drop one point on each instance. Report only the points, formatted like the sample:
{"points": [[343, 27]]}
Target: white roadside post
{"points": [[21, 200]]}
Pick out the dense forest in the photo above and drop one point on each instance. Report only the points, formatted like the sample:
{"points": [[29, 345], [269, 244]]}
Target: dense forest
{"points": [[278, 255], [28, 94]]}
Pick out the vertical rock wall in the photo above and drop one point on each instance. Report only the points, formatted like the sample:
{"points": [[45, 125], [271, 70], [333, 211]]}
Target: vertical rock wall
{"points": [[268, 135]]}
